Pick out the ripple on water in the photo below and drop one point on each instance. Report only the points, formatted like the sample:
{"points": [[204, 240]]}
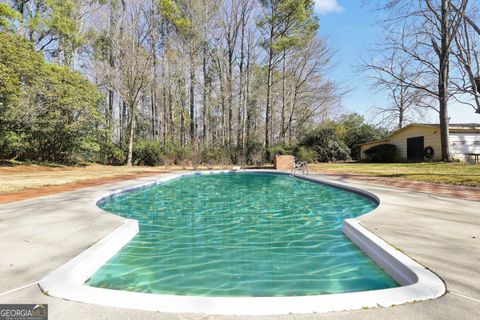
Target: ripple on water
{"points": [[240, 234]]}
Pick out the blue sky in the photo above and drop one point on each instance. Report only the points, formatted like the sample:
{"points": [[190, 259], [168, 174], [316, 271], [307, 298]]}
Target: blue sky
{"points": [[351, 30]]}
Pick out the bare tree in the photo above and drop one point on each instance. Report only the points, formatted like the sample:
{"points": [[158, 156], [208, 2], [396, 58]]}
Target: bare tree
{"points": [[309, 92], [424, 33], [135, 64], [154, 58], [245, 14], [231, 25], [466, 51], [405, 104]]}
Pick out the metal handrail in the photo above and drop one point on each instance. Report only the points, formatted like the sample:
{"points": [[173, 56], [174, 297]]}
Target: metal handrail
{"points": [[300, 165]]}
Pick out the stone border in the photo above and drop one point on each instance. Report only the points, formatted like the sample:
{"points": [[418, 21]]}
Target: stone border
{"points": [[417, 282]]}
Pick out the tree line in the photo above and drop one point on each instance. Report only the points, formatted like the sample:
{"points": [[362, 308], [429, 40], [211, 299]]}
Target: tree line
{"points": [[187, 76], [156, 81]]}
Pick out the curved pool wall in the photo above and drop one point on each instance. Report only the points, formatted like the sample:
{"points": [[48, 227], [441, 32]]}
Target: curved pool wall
{"points": [[240, 234], [417, 283]]}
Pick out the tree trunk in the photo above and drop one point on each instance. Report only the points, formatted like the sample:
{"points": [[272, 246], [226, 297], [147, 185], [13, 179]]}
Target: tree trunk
{"points": [[130, 138], [241, 91], [268, 106], [153, 90], [205, 93], [123, 120], [111, 58], [153, 111], [400, 118], [192, 98], [269, 100], [230, 97], [443, 83], [247, 114], [166, 83], [171, 125], [110, 107], [165, 116], [290, 118], [156, 120], [182, 113], [222, 95], [284, 67]]}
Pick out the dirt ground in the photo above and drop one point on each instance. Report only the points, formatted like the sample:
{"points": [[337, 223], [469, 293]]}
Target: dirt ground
{"points": [[21, 177], [23, 182]]}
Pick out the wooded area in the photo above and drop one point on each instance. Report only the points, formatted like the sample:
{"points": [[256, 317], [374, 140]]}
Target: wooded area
{"points": [[166, 81], [187, 75]]}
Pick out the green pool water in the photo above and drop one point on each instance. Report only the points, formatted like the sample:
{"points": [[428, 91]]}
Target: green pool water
{"points": [[240, 234]]}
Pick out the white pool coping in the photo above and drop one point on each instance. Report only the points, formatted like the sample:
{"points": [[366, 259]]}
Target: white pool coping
{"points": [[417, 282]]}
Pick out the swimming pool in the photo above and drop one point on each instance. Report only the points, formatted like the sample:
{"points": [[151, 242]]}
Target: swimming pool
{"points": [[99, 263], [240, 234]]}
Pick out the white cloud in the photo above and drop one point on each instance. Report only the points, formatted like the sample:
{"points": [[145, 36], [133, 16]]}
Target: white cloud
{"points": [[327, 6]]}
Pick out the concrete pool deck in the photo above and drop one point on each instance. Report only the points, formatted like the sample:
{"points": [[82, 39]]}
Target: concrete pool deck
{"points": [[443, 234]]}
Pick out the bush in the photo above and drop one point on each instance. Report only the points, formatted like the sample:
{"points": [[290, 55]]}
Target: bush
{"points": [[358, 132], [327, 144], [148, 153], [382, 153], [169, 153], [280, 150], [254, 152], [211, 156], [47, 112], [12, 146], [174, 154], [307, 155], [112, 155], [234, 155], [184, 156]]}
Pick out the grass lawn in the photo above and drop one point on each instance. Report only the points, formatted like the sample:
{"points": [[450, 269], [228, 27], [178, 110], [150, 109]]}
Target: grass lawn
{"points": [[30, 176], [455, 173], [22, 177]]}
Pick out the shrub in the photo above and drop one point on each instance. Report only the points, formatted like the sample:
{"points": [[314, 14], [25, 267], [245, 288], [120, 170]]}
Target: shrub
{"points": [[110, 153], [49, 113], [382, 153], [184, 156], [358, 132], [174, 154], [280, 150], [327, 144], [12, 146], [212, 155], [254, 152], [148, 153], [307, 155], [234, 155], [169, 153], [196, 157], [113, 155]]}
